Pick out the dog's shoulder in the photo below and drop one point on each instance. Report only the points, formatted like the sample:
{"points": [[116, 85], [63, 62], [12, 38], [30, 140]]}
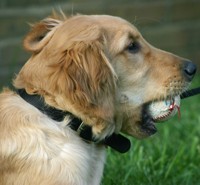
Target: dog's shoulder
{"points": [[40, 147]]}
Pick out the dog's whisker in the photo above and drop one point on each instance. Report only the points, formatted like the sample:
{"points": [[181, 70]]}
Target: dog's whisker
{"points": [[65, 112]]}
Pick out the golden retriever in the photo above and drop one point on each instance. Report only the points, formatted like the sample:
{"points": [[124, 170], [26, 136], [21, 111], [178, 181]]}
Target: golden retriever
{"points": [[97, 68]]}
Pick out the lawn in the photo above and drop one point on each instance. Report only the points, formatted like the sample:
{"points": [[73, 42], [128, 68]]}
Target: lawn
{"points": [[170, 157]]}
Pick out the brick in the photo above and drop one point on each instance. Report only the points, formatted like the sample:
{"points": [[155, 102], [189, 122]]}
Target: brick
{"points": [[12, 54], [185, 10], [24, 3], [6, 76], [170, 25], [16, 24]]}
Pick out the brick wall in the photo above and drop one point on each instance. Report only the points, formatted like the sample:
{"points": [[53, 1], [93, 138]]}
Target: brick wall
{"points": [[173, 25]]}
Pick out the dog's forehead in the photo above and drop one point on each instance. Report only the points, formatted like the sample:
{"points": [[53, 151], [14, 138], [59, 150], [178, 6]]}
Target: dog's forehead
{"points": [[115, 24], [119, 30], [107, 22]]}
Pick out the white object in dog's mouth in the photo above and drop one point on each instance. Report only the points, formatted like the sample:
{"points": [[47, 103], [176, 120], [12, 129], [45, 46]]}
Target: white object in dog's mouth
{"points": [[164, 110]]}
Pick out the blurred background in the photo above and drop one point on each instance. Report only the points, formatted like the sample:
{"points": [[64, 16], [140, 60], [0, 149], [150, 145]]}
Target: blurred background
{"points": [[171, 157], [173, 25]]}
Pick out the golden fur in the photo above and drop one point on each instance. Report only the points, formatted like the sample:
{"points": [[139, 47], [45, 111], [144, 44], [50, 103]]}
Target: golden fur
{"points": [[82, 64]]}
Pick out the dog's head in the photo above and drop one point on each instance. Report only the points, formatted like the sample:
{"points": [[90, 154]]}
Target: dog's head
{"points": [[102, 70]]}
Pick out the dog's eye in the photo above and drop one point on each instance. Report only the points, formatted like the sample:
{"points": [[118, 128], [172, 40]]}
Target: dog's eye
{"points": [[134, 47]]}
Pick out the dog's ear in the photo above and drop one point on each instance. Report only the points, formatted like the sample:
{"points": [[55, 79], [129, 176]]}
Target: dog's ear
{"points": [[87, 78], [77, 75], [92, 78], [40, 34]]}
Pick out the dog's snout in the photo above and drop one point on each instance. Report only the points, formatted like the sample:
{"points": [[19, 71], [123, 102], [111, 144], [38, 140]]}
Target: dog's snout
{"points": [[189, 70]]}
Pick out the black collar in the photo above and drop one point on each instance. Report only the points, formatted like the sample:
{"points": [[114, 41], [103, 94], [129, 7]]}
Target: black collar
{"points": [[115, 141]]}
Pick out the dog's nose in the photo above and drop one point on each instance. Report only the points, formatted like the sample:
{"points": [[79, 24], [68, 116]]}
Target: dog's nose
{"points": [[189, 70]]}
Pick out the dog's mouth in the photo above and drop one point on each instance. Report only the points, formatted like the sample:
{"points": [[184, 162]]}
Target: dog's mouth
{"points": [[158, 111]]}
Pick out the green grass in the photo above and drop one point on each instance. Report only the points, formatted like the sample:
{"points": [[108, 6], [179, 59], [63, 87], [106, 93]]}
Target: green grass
{"points": [[170, 157]]}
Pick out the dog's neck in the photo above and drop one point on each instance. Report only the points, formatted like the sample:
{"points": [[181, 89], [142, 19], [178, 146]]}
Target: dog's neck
{"points": [[115, 141]]}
